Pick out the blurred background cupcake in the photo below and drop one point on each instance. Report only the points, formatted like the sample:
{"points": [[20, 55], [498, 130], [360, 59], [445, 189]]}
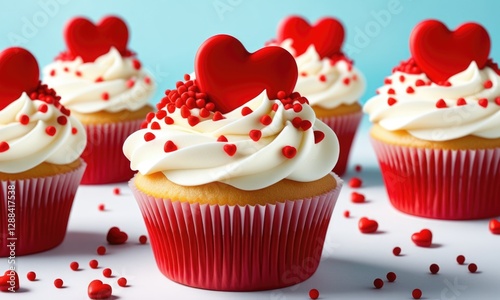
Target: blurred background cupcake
{"points": [[40, 165], [105, 86], [327, 77], [235, 182], [436, 125]]}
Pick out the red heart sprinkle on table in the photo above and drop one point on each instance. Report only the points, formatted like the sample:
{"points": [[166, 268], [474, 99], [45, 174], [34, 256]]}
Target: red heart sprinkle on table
{"points": [[434, 268], [494, 226], [98, 290], [357, 197], [313, 294], [58, 283], [347, 213], [422, 238], [116, 191], [460, 259], [355, 182], [442, 53], [115, 236], [378, 283], [366, 225], [6, 280], [231, 76], [416, 294], [89, 41], [391, 276], [327, 35]]}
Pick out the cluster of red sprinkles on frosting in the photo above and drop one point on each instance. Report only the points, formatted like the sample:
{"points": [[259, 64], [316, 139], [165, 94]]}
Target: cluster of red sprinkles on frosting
{"points": [[409, 66], [194, 106]]}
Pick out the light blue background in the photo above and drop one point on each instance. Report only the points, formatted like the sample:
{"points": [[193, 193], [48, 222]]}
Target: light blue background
{"points": [[166, 34]]}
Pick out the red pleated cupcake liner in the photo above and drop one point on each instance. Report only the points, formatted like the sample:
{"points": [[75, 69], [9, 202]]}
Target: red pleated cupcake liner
{"points": [[441, 184], [41, 207], [237, 248], [345, 127], [106, 162]]}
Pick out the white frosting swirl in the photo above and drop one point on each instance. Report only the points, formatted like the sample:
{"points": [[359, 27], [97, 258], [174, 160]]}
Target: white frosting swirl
{"points": [[200, 158], [30, 144], [418, 114], [343, 83], [75, 82]]}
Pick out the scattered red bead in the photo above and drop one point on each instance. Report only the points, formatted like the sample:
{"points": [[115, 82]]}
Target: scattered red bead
{"points": [[143, 239], [24, 119], [396, 251], [116, 191], [488, 84], [74, 265], [322, 78], [391, 276], [434, 268], [122, 281], [136, 64], [101, 207], [130, 83], [50, 130], [494, 226], [378, 283], [93, 264], [357, 197], [346, 81], [460, 259], [31, 276], [313, 294], [101, 250], [289, 152], [355, 182], [105, 96], [358, 168], [347, 214], [58, 283], [107, 272], [416, 294], [472, 267]]}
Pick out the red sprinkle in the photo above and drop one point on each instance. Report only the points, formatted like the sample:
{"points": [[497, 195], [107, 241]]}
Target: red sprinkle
{"points": [[74, 130], [483, 102], [419, 82], [346, 81], [99, 79], [149, 136], [378, 283], [24, 119], [396, 251], [322, 78], [387, 81], [74, 265], [222, 138], [230, 149], [122, 281], [187, 77], [147, 80], [289, 151], [217, 116], [130, 83], [78, 73], [101, 207], [355, 182], [494, 226], [169, 146], [391, 101], [31, 276], [246, 111], [461, 102], [357, 168], [416, 294], [391, 91], [460, 259], [101, 250], [434, 268], [472, 267], [4, 146], [136, 63], [281, 95], [266, 120], [255, 134], [58, 283], [303, 74], [313, 294], [318, 136], [401, 78], [497, 100], [107, 272], [410, 90], [391, 276], [43, 108], [50, 130], [143, 239], [62, 120], [441, 104], [116, 191], [52, 72], [357, 197], [105, 96], [155, 126], [347, 214], [93, 264], [488, 84]]}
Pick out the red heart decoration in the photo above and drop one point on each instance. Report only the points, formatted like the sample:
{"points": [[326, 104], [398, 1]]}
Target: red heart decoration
{"points": [[366, 225], [98, 290], [116, 237], [442, 53], [422, 238], [18, 73], [5, 281], [90, 41], [494, 226], [327, 35], [231, 76]]}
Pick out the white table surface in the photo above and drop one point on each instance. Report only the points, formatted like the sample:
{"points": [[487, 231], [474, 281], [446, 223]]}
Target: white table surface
{"points": [[351, 260]]}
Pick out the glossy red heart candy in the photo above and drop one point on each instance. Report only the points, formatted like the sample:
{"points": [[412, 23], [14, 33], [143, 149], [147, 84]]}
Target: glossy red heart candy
{"points": [[366, 225], [442, 53], [327, 35], [90, 41], [422, 238], [494, 226], [231, 76], [115, 236], [99, 290], [18, 73], [6, 279]]}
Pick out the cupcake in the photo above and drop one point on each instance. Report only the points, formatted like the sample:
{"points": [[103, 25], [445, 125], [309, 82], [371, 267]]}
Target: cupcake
{"points": [[40, 165], [435, 125], [234, 173], [327, 76], [105, 86]]}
